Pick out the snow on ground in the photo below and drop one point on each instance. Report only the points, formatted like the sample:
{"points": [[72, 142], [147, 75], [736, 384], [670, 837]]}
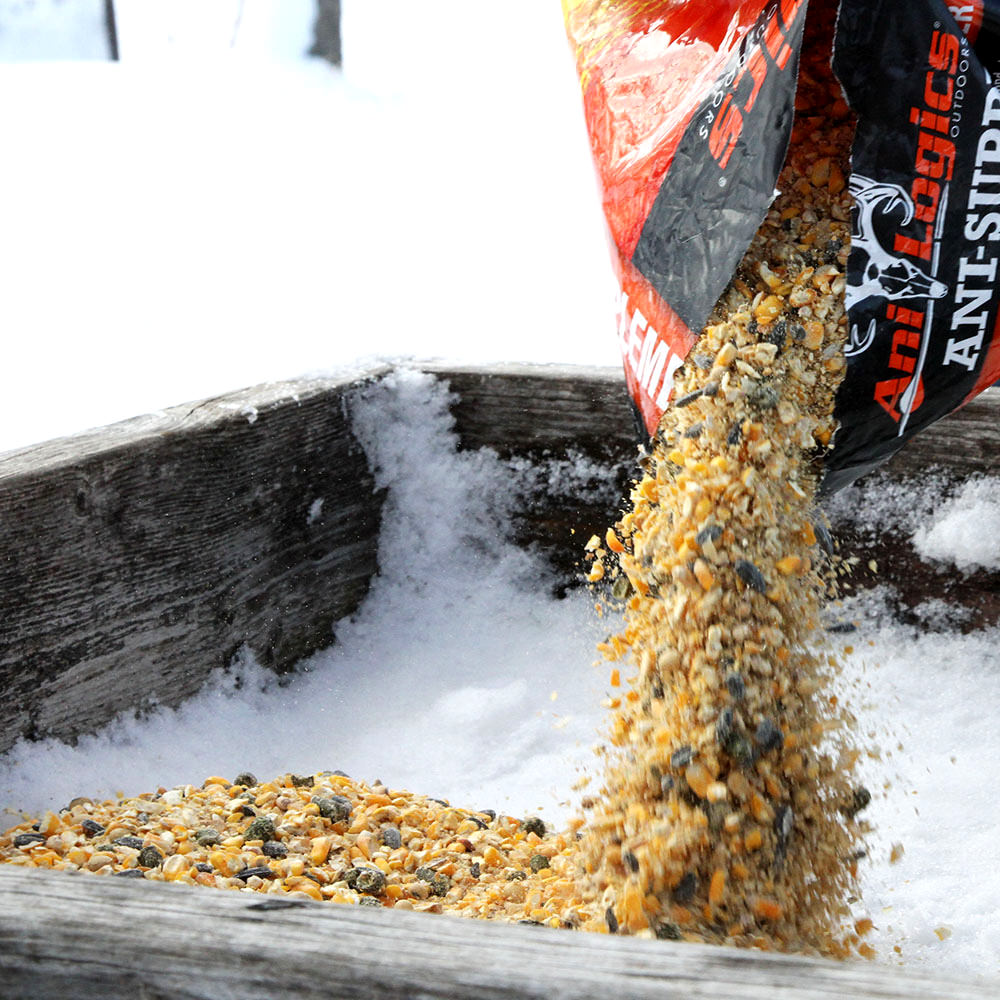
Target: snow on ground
{"points": [[199, 218], [966, 531]]}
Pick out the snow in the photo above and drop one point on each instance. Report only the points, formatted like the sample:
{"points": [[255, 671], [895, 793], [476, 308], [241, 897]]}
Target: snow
{"points": [[921, 698], [966, 529], [185, 226], [442, 682], [215, 211], [956, 525], [52, 29]]}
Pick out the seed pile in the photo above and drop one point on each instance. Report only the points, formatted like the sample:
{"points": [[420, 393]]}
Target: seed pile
{"points": [[321, 837], [727, 811]]}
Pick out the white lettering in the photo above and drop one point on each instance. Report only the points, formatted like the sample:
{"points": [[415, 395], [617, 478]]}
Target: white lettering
{"points": [[991, 111], [673, 363], [963, 352]]}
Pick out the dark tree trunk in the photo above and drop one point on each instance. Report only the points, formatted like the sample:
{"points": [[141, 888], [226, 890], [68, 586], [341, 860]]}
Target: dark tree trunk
{"points": [[326, 32], [111, 29]]}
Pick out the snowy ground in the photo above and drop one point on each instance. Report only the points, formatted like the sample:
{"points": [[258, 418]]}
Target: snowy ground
{"points": [[201, 217], [179, 225]]}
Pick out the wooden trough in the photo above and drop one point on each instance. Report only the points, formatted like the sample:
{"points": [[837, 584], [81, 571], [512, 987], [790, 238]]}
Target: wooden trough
{"points": [[136, 559]]}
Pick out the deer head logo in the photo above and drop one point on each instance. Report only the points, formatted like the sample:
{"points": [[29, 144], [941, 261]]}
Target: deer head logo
{"points": [[883, 274]]}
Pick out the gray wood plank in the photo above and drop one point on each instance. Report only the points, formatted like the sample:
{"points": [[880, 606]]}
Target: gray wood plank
{"points": [[530, 409], [68, 936], [965, 442], [136, 558]]}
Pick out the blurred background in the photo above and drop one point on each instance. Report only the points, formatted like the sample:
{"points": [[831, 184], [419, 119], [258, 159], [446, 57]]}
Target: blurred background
{"points": [[200, 195]]}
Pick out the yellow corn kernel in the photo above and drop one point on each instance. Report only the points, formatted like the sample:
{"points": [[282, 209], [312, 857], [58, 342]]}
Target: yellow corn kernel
{"points": [[739, 785], [768, 309], [699, 778], [717, 792], [612, 541], [717, 886], [175, 866], [491, 856], [219, 860], [726, 356], [819, 174], [767, 909], [836, 184], [78, 856], [789, 565], [753, 840], [762, 812], [631, 908], [703, 574], [319, 850], [814, 335], [48, 824]]}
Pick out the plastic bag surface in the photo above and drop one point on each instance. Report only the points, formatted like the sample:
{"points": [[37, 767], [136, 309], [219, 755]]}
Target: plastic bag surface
{"points": [[689, 111]]}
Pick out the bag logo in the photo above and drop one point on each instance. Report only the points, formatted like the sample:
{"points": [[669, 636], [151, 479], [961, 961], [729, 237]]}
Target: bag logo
{"points": [[884, 274]]}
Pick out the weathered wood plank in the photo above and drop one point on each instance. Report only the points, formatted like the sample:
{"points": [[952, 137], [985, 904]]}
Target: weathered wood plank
{"points": [[529, 409], [67, 936], [532, 408], [136, 558], [965, 442]]}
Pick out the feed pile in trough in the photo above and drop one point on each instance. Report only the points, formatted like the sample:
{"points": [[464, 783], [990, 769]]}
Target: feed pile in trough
{"points": [[728, 812]]}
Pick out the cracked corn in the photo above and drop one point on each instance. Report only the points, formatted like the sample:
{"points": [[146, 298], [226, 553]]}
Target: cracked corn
{"points": [[325, 837], [726, 812]]}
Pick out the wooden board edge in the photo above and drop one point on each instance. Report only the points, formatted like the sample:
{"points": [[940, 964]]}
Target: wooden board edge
{"points": [[243, 404], [140, 938]]}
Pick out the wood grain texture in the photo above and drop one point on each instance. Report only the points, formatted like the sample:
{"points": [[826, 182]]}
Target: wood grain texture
{"points": [[965, 442], [530, 409], [137, 558], [86, 935]]}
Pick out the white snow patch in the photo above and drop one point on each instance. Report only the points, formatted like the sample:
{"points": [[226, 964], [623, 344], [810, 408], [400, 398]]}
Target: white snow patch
{"points": [[49, 30], [927, 700], [965, 530]]}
